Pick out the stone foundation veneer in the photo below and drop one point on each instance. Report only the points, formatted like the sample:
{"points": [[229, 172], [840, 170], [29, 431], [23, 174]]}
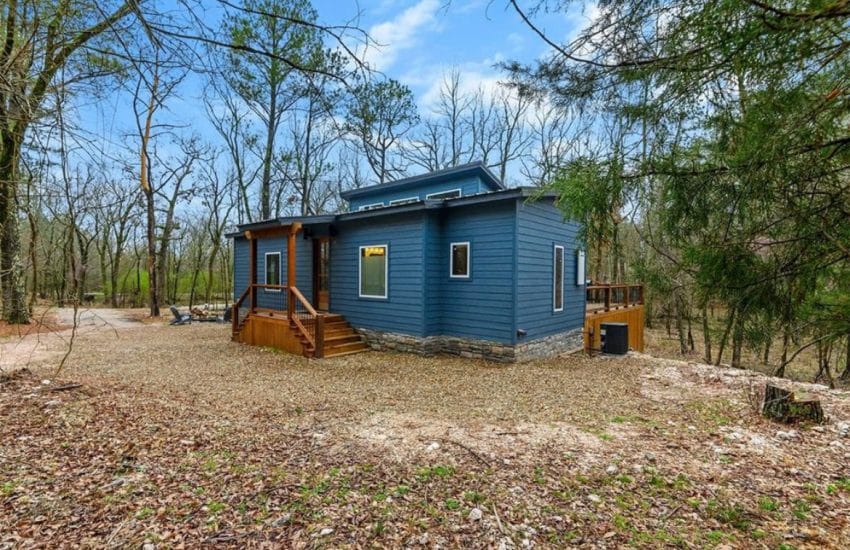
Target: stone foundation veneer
{"points": [[548, 346]]}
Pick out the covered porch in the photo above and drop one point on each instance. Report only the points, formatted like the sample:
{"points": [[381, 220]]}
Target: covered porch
{"points": [[275, 312]]}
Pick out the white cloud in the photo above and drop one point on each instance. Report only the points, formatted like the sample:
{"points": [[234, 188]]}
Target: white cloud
{"points": [[516, 41], [474, 76], [392, 37]]}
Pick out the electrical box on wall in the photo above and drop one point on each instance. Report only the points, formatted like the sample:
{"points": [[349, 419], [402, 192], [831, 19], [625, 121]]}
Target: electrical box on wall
{"points": [[579, 267]]}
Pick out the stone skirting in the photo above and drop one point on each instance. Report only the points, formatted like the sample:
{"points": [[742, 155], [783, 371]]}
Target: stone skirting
{"points": [[549, 346]]}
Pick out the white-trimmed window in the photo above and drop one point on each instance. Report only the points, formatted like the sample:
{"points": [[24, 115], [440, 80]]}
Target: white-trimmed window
{"points": [[272, 271], [558, 278], [373, 269], [459, 254], [408, 200], [450, 194], [371, 206], [580, 268]]}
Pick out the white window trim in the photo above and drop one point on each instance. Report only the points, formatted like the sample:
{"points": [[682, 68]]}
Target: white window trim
{"points": [[407, 200], [555, 278], [386, 271], [581, 268], [372, 206], [266, 270], [432, 195], [452, 260]]}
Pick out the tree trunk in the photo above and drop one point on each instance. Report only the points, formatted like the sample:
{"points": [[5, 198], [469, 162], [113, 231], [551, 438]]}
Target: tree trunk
{"points": [[846, 374], [33, 258], [266, 183], [782, 405], [210, 271], [786, 339], [153, 281], [680, 328], [737, 342], [725, 336], [706, 335], [15, 308], [691, 344]]}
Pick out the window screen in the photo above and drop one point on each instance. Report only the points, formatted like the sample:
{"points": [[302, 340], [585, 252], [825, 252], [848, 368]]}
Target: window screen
{"points": [[373, 271], [273, 268], [460, 259], [558, 279]]}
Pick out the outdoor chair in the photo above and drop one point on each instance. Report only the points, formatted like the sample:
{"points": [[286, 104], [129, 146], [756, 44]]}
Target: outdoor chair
{"points": [[179, 318]]}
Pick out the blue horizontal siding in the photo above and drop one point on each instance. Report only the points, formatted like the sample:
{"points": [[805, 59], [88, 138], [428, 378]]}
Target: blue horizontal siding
{"points": [[303, 267], [541, 226], [241, 257], [402, 310], [481, 306], [468, 186], [511, 271]]}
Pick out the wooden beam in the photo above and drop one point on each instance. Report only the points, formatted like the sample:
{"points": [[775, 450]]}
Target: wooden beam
{"points": [[252, 271], [290, 254], [290, 267], [276, 231]]}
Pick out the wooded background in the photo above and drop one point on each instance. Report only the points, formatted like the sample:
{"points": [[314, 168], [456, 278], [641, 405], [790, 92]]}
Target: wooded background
{"points": [[704, 145]]}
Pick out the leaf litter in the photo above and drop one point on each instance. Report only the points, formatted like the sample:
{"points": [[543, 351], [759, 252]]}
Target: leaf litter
{"points": [[177, 437]]}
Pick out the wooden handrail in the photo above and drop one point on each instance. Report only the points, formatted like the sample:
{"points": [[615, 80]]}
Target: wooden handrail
{"points": [[312, 338], [293, 296], [234, 313], [616, 295], [307, 305]]}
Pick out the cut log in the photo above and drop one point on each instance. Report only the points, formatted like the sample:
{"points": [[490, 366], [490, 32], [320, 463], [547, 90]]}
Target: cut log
{"points": [[783, 406]]}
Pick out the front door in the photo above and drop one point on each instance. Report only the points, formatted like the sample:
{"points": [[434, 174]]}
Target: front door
{"points": [[321, 273]]}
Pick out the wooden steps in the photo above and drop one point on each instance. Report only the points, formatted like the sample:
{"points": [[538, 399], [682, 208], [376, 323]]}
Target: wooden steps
{"points": [[341, 338]]}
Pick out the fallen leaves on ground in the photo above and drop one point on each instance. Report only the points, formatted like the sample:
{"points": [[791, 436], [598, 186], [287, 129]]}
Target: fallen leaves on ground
{"points": [[178, 437]]}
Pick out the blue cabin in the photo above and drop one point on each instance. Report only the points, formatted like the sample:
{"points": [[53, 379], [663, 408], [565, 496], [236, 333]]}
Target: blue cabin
{"points": [[445, 262]]}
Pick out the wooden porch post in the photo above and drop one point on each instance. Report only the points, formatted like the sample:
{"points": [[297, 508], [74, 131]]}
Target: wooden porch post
{"points": [[252, 269], [290, 267]]}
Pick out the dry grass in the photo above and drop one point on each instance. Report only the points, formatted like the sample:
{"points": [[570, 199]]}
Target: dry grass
{"points": [[179, 436], [44, 320], [803, 368]]}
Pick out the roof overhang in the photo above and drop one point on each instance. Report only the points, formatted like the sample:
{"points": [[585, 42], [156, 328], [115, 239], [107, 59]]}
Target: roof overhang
{"points": [[471, 169], [282, 225]]}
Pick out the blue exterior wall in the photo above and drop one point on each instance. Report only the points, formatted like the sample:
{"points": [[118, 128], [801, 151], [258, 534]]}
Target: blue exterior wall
{"points": [[402, 310], [468, 186], [303, 267], [541, 226], [481, 306], [241, 260], [511, 271]]}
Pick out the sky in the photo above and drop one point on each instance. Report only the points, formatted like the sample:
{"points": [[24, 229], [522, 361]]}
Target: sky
{"points": [[419, 41], [423, 39]]}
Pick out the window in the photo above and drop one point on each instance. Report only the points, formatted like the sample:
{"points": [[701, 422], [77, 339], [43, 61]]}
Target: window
{"points": [[273, 270], [371, 206], [373, 271], [558, 279], [580, 276], [451, 194], [408, 200], [459, 260]]}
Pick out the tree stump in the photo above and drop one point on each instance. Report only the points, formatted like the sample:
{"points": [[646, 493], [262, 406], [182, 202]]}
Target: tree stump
{"points": [[784, 406]]}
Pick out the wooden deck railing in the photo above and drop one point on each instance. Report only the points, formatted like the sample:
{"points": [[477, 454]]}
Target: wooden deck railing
{"points": [[284, 301], [308, 320], [608, 297]]}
